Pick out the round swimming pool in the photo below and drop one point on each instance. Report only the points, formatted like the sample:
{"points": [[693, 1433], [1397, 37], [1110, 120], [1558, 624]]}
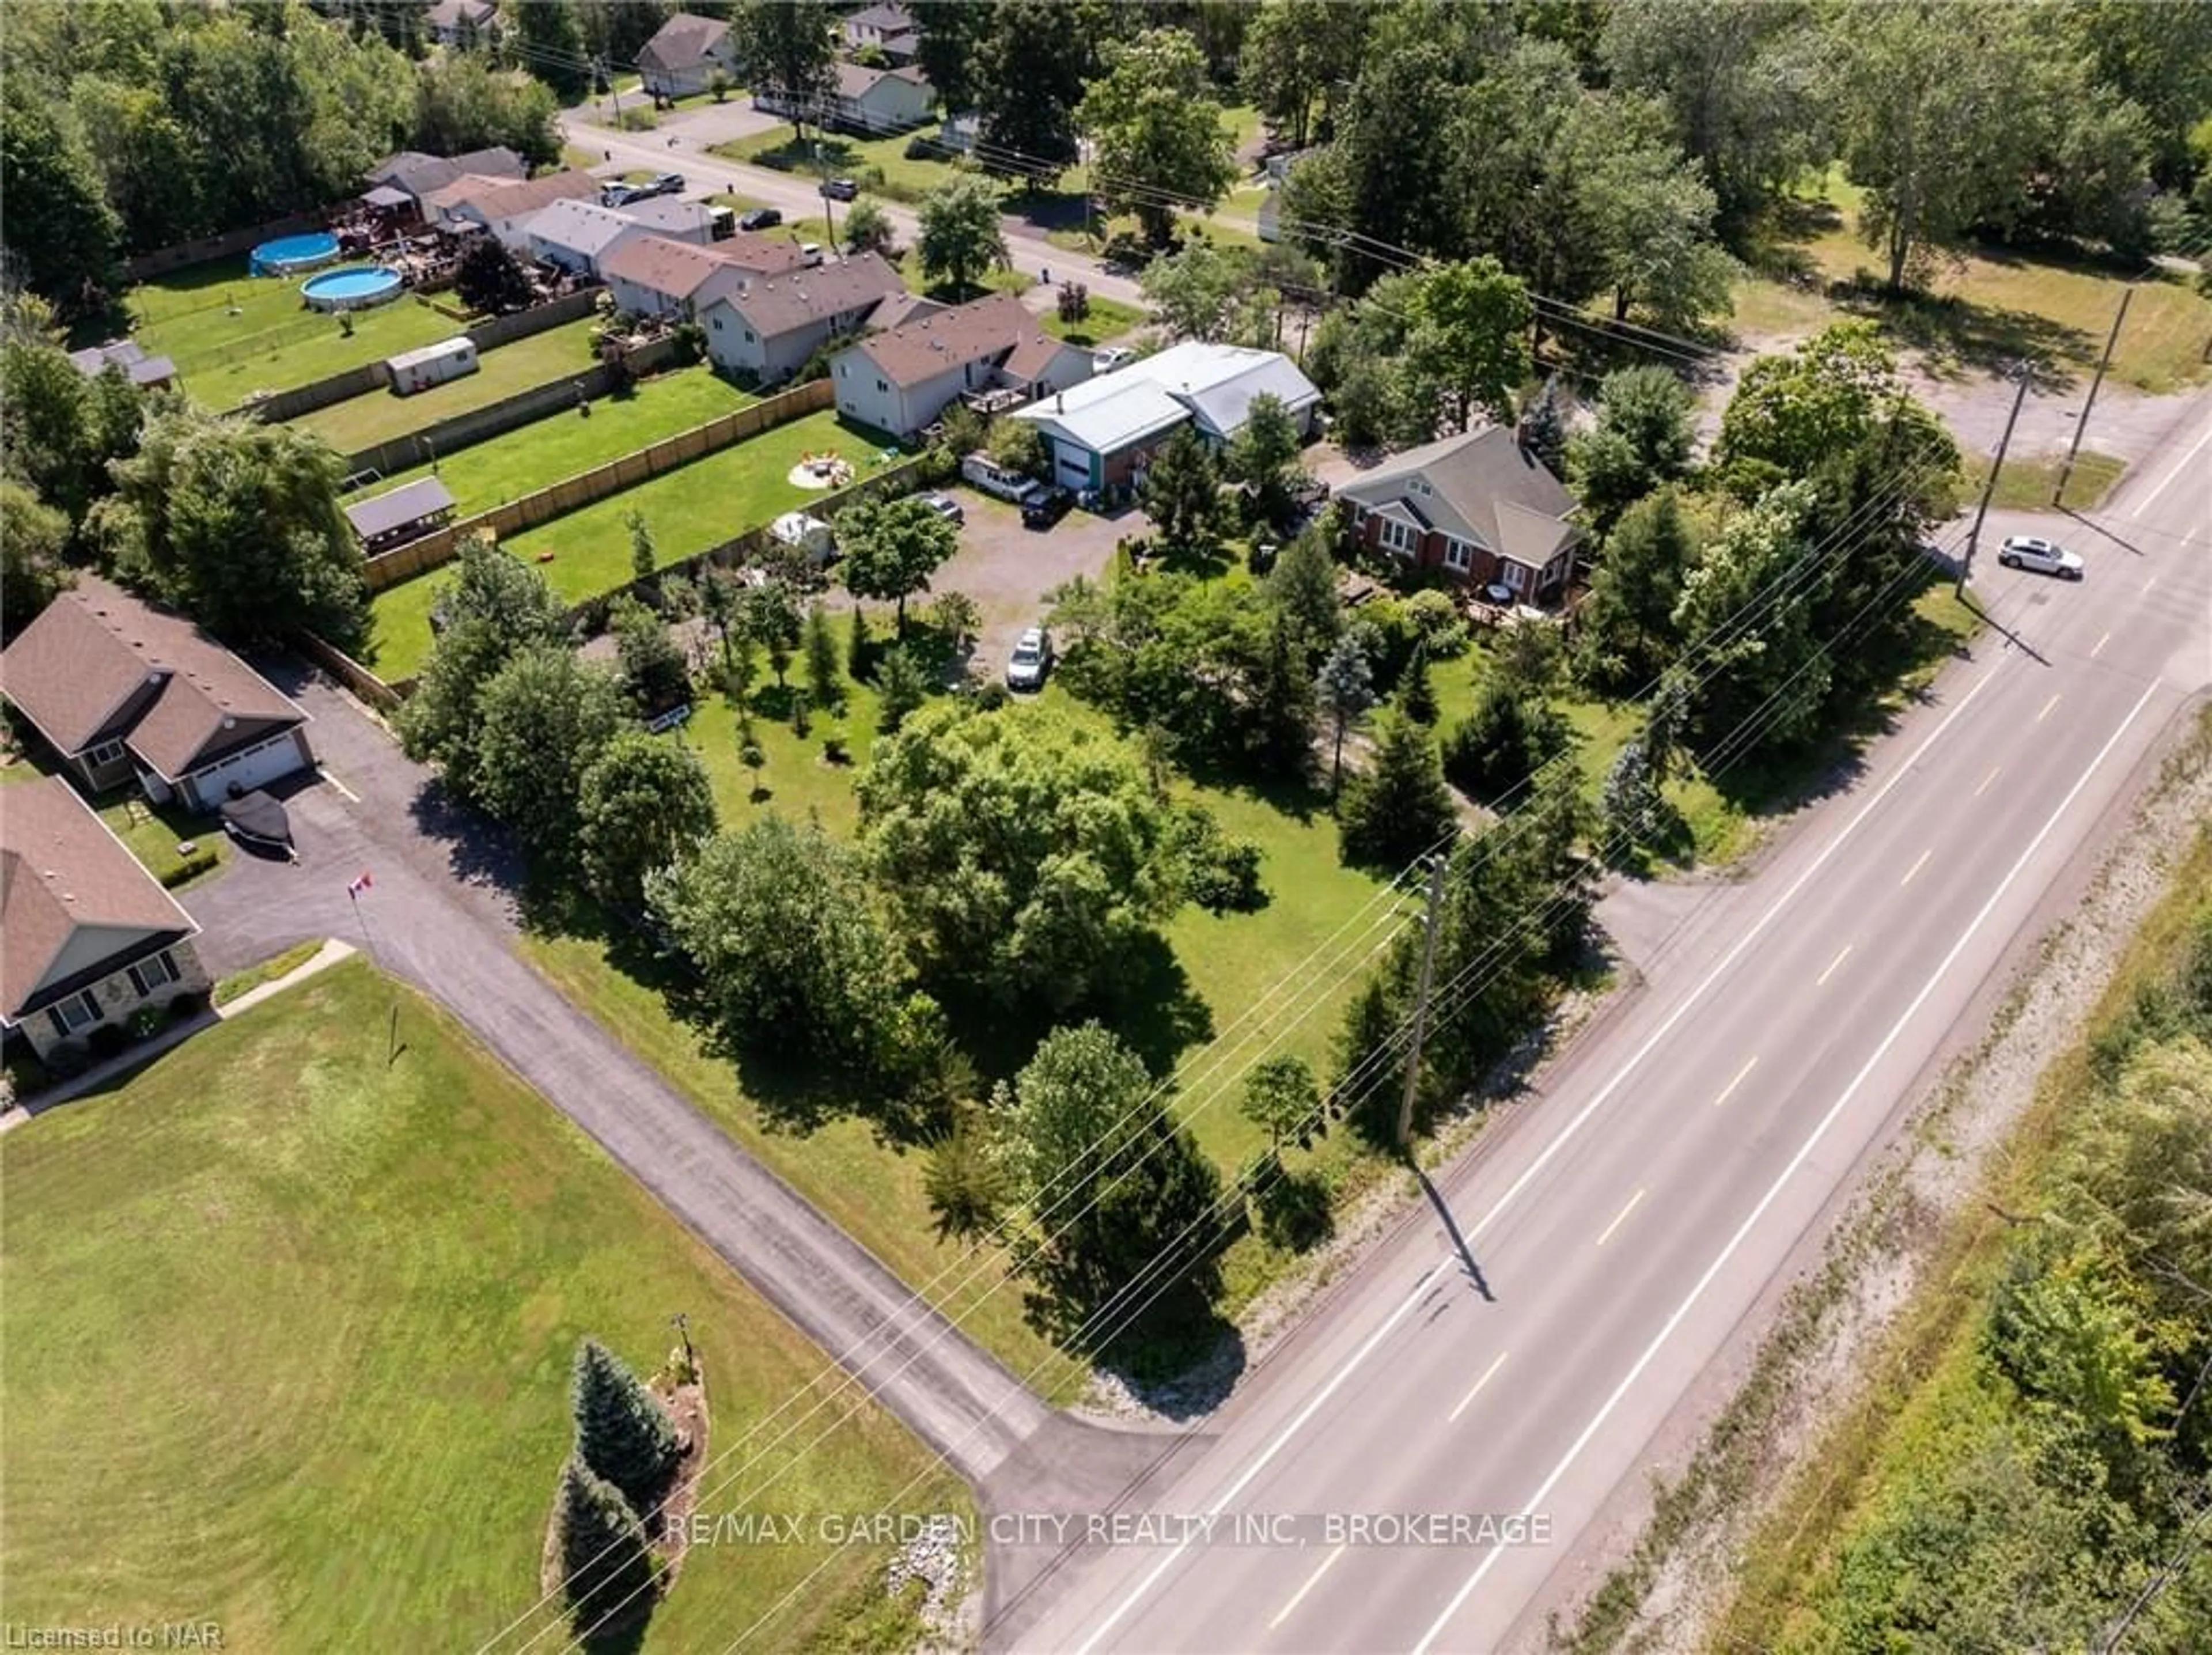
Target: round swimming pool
{"points": [[354, 287], [290, 254]]}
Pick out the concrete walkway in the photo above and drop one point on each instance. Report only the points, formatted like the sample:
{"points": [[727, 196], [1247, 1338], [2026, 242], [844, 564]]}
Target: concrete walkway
{"points": [[438, 914], [97, 1077]]}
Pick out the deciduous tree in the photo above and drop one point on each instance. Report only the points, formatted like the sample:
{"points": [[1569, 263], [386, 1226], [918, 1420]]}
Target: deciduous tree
{"points": [[1626, 634], [34, 538], [960, 235], [1470, 338], [545, 718], [494, 607], [1642, 438], [644, 802], [1154, 127], [1299, 53], [868, 227], [1280, 1097], [891, 548], [1263, 456], [489, 278], [64, 239], [654, 675], [789, 49]]}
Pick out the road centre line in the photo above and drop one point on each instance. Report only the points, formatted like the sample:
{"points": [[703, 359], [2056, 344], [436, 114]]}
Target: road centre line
{"points": [[1821, 981], [2047, 706], [1543, 1159], [1728, 1090], [1299, 1596], [1916, 867], [1986, 780], [1620, 1218], [1488, 1373], [1804, 1152], [2102, 641]]}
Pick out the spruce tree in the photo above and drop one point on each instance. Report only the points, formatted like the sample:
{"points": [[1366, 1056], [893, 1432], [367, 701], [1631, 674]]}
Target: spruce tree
{"points": [[609, 1572], [1417, 697], [1401, 806], [821, 647], [622, 1433]]}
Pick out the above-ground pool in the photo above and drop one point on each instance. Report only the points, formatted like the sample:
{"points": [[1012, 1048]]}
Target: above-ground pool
{"points": [[291, 254], [354, 287]]}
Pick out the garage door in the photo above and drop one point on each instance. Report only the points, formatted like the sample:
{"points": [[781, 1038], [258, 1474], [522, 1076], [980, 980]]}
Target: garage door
{"points": [[253, 767], [1074, 464]]}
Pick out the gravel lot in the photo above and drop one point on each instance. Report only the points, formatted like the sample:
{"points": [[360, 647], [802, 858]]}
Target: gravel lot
{"points": [[1007, 568]]}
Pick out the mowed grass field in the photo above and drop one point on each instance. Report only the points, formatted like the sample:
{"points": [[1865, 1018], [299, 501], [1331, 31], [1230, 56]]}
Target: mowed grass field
{"points": [[687, 510], [288, 1335], [1994, 306], [376, 417], [273, 342]]}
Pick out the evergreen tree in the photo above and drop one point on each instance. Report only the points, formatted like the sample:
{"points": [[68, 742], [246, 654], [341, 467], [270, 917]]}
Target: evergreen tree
{"points": [[1303, 586], [1417, 697], [1400, 808], [1280, 737], [622, 1433], [609, 1572], [860, 650], [642, 557], [1630, 802], [1181, 492], [966, 1180], [1544, 428], [1346, 687], [901, 687], [1627, 633], [1512, 733], [820, 645]]}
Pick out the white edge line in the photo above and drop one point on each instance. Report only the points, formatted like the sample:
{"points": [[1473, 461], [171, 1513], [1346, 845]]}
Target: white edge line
{"points": [[1530, 1172], [1312, 1580], [1488, 1374], [2166, 482], [1804, 1152]]}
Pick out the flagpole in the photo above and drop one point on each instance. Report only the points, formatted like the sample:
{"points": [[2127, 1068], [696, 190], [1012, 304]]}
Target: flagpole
{"points": [[354, 888]]}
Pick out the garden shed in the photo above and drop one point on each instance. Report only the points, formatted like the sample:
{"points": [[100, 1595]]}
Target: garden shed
{"points": [[432, 364]]}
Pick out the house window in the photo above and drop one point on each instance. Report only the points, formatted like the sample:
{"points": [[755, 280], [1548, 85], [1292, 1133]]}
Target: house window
{"points": [[108, 752], [749, 337], [1517, 575], [1398, 537], [718, 324], [1458, 554], [882, 385], [79, 1011], [1418, 485], [158, 972]]}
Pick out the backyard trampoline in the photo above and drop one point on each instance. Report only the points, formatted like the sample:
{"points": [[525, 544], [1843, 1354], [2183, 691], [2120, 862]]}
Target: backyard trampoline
{"points": [[354, 287], [290, 254]]}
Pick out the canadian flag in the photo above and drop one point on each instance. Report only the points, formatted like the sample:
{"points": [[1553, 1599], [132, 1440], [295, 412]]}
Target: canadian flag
{"points": [[355, 887]]}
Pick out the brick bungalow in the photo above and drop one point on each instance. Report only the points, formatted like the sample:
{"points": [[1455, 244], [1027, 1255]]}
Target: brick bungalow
{"points": [[1479, 507]]}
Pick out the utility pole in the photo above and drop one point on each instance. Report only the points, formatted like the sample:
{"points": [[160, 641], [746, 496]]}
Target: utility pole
{"points": [[2127, 296], [1436, 865], [1974, 534]]}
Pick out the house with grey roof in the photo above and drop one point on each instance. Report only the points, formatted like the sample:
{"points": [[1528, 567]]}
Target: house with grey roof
{"points": [[398, 515], [416, 175], [684, 55], [145, 371], [654, 276], [1480, 507], [859, 99], [463, 22], [576, 236], [889, 27], [769, 327]]}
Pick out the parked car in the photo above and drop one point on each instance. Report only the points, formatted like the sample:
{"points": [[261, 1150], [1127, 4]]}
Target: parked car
{"points": [[759, 218], [663, 184], [810, 253], [945, 506], [1113, 356], [995, 479], [2044, 557], [839, 189], [1031, 661], [1045, 508]]}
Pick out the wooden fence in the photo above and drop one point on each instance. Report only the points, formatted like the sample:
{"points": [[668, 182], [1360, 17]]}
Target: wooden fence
{"points": [[351, 673], [488, 335], [449, 436], [558, 499]]}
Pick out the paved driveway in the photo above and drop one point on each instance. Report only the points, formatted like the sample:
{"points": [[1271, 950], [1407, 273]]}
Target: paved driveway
{"points": [[1007, 568], [439, 914]]}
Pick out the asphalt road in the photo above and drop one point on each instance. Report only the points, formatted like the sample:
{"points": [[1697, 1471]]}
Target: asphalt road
{"points": [[1612, 1235], [799, 196]]}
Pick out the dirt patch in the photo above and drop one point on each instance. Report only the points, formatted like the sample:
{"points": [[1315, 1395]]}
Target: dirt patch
{"points": [[1672, 1563]]}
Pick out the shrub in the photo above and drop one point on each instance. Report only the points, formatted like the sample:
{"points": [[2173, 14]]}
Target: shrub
{"points": [[1437, 619], [67, 1059], [992, 695], [1220, 875], [190, 868], [146, 1022], [108, 1040]]}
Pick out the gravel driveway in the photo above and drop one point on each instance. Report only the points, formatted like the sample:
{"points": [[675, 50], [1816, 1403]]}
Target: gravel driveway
{"points": [[1007, 568]]}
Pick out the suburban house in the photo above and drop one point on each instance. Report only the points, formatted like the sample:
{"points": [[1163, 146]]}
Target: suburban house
{"points": [[891, 28], [576, 236], [92, 937], [506, 206], [462, 22], [1101, 433], [120, 689], [900, 379], [769, 327], [398, 515], [652, 275], [1480, 508], [416, 175], [684, 55], [147, 372], [862, 100]]}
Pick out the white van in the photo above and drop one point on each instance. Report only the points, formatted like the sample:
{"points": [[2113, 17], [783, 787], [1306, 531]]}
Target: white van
{"points": [[993, 478]]}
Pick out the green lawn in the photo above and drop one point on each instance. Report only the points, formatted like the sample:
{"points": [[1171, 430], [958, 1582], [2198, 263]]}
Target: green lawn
{"points": [[881, 164], [363, 421], [587, 551], [273, 342], [157, 833], [288, 1331], [1994, 306], [2027, 484], [537, 455], [1108, 319]]}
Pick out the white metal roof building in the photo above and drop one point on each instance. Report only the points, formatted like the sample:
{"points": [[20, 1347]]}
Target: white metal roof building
{"points": [[1100, 430]]}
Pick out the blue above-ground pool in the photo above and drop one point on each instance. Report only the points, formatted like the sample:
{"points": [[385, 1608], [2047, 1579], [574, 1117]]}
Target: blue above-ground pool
{"points": [[290, 254], [354, 287]]}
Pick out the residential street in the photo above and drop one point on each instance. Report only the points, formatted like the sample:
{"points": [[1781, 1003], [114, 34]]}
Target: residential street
{"points": [[439, 915]]}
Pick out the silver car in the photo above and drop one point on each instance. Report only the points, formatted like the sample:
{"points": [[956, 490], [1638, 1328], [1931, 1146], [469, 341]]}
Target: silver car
{"points": [[1031, 661], [2044, 557]]}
